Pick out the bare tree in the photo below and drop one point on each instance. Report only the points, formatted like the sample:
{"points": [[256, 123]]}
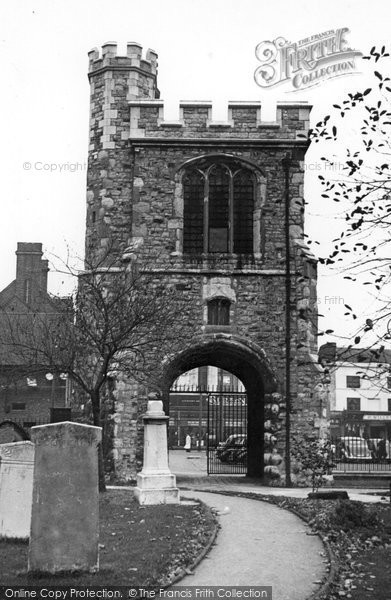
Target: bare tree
{"points": [[121, 318]]}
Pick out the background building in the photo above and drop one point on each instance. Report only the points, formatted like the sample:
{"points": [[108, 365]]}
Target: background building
{"points": [[189, 404], [359, 394], [29, 398]]}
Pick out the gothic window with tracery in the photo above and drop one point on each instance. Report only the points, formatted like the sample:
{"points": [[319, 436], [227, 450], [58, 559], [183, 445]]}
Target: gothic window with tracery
{"points": [[218, 209]]}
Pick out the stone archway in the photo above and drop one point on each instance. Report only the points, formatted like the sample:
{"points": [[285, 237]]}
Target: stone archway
{"points": [[245, 360]]}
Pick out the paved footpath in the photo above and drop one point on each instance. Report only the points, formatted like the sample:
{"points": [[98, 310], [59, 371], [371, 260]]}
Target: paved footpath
{"points": [[230, 485], [260, 544]]}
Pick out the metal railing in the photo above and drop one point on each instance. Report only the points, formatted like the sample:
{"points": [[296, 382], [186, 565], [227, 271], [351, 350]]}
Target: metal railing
{"points": [[227, 433], [359, 454]]}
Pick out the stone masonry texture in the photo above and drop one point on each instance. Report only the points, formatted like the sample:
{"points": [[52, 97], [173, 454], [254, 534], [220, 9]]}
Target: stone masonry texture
{"points": [[135, 195]]}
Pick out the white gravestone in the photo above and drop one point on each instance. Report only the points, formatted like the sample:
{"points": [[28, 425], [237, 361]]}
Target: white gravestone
{"points": [[16, 489], [156, 484], [65, 510]]}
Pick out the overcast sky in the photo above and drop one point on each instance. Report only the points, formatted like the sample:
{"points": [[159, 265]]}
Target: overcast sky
{"points": [[206, 52]]}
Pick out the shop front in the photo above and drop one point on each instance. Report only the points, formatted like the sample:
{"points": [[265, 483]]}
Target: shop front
{"points": [[362, 424]]}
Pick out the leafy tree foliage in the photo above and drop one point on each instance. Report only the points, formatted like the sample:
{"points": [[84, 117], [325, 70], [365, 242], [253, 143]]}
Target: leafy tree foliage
{"points": [[360, 185]]}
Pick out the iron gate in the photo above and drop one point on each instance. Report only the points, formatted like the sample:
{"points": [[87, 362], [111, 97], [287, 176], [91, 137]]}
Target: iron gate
{"points": [[227, 433]]}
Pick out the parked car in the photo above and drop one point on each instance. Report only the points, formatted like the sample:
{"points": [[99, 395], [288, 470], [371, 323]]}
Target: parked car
{"points": [[233, 449], [352, 449], [379, 448]]}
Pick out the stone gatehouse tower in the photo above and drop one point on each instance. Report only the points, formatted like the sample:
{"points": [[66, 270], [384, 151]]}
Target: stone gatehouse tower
{"points": [[211, 197]]}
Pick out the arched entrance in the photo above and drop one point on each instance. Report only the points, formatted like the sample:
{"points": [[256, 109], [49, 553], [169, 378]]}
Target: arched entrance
{"points": [[208, 423], [247, 362]]}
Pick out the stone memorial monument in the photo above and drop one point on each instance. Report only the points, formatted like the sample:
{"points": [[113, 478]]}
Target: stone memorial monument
{"points": [[16, 489], [65, 510], [156, 484]]}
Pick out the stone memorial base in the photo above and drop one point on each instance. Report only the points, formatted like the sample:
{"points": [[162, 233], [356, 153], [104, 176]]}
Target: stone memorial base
{"points": [[156, 484], [156, 488]]}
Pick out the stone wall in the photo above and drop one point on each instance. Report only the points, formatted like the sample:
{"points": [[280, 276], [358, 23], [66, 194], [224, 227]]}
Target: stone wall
{"points": [[244, 121], [114, 81], [135, 196]]}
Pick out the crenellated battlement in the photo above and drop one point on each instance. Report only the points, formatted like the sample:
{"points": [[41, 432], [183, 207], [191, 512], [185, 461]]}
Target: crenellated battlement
{"points": [[244, 120], [125, 105], [108, 58]]}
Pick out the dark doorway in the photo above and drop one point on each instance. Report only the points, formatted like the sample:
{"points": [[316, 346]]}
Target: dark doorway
{"points": [[249, 365], [208, 421]]}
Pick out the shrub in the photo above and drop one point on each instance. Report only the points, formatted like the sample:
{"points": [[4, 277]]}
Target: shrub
{"points": [[350, 515], [314, 456]]}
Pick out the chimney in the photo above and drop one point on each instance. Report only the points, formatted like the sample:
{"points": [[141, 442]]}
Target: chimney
{"points": [[44, 275], [31, 273]]}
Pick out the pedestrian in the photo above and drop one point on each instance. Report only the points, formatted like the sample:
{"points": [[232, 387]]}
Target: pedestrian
{"points": [[188, 442], [381, 449]]}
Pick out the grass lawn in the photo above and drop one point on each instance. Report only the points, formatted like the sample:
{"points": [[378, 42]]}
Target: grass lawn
{"points": [[138, 546], [359, 536], [374, 577]]}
